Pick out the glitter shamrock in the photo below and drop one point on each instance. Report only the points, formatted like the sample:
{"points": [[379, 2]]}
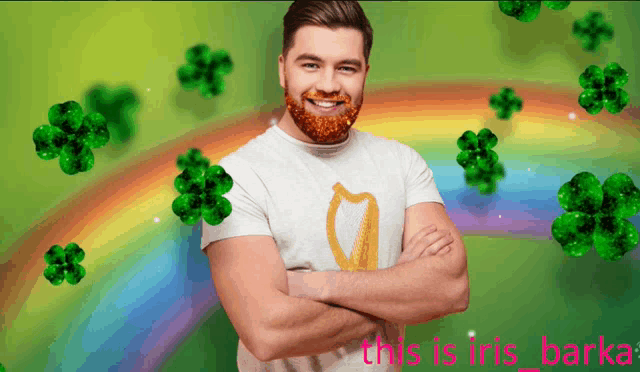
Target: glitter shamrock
{"points": [[527, 11], [71, 136], [479, 161], [476, 149], [202, 195], [64, 264], [118, 106], [604, 89], [505, 103], [485, 180], [205, 69], [592, 30], [193, 159], [524, 11], [597, 215]]}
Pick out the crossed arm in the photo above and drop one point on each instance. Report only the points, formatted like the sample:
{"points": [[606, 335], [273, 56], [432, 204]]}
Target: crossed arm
{"points": [[274, 323], [270, 323], [410, 293]]}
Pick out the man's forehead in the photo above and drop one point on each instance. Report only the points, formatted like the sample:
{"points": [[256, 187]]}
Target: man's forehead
{"points": [[328, 44]]}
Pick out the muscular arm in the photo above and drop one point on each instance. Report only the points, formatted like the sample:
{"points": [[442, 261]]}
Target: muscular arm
{"points": [[413, 292], [251, 282], [410, 293], [307, 327]]}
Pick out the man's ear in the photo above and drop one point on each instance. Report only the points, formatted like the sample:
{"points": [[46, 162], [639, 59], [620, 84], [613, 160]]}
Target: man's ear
{"points": [[281, 70]]}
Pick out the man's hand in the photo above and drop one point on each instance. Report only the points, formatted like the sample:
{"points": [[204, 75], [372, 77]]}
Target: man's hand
{"points": [[428, 241]]}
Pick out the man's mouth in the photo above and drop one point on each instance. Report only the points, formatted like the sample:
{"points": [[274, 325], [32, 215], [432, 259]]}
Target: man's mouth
{"points": [[325, 103]]}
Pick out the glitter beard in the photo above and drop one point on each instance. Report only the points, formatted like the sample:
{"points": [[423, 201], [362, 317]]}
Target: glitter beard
{"points": [[322, 128]]}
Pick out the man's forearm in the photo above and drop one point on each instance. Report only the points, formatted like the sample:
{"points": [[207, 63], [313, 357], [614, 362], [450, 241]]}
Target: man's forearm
{"points": [[410, 293], [395, 294], [302, 327]]}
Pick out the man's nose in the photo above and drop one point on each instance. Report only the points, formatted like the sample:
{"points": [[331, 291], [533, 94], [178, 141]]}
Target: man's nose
{"points": [[328, 83]]}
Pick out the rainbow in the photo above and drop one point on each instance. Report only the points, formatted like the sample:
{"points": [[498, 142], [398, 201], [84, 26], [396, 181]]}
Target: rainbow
{"points": [[113, 221]]}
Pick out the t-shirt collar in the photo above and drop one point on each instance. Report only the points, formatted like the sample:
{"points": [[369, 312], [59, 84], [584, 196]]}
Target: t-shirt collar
{"points": [[315, 148]]}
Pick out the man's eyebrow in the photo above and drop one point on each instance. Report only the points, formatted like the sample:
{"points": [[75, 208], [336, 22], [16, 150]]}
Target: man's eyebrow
{"points": [[313, 57]]}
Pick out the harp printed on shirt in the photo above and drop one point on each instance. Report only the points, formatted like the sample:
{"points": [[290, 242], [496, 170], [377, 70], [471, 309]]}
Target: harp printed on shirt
{"points": [[352, 229]]}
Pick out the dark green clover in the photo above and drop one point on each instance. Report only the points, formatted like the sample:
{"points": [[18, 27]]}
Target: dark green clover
{"points": [[485, 181], [604, 89], [479, 161], [505, 103], [2, 369], [205, 70], [527, 11], [193, 159], [202, 195], [592, 30], [71, 136], [118, 106], [64, 264], [476, 149], [597, 215]]}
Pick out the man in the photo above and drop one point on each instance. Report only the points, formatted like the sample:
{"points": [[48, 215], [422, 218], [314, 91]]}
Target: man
{"points": [[336, 236]]}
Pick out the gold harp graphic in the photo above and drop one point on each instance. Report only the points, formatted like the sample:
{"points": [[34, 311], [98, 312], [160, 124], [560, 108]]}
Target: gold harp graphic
{"points": [[364, 254]]}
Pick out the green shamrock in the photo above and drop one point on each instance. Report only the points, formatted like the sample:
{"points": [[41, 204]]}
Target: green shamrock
{"points": [[64, 264], [202, 195], [205, 69], [597, 215], [193, 159], [527, 11], [71, 136], [505, 103], [479, 161], [118, 106], [604, 89]]}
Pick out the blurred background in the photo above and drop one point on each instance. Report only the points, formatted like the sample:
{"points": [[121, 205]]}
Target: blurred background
{"points": [[147, 302]]}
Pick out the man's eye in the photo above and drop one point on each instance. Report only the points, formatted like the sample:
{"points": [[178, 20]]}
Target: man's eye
{"points": [[313, 65]]}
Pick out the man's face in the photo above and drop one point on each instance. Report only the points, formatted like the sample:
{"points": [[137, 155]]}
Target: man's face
{"points": [[324, 67]]}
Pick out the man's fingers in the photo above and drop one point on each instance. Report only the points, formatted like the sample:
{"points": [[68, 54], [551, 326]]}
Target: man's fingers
{"points": [[433, 237], [440, 244], [408, 252], [428, 240], [425, 238], [421, 234]]}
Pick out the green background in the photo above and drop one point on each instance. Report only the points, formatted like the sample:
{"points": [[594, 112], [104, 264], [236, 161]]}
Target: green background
{"points": [[54, 52]]}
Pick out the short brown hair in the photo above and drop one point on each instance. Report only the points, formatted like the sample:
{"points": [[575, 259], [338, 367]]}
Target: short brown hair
{"points": [[331, 14]]}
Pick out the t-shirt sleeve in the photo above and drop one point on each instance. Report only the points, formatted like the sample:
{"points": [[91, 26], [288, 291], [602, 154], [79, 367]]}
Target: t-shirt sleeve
{"points": [[419, 182], [247, 195]]}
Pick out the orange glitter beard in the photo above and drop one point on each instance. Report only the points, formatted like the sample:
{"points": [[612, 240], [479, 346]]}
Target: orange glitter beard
{"points": [[322, 129]]}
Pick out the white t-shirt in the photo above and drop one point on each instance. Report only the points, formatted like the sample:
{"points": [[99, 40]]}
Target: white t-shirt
{"points": [[321, 203]]}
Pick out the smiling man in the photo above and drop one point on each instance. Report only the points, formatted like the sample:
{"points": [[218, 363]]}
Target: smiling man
{"points": [[337, 236]]}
